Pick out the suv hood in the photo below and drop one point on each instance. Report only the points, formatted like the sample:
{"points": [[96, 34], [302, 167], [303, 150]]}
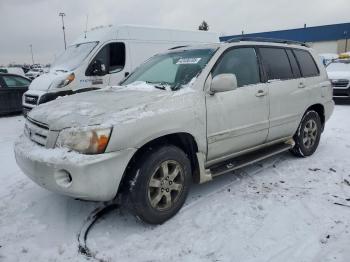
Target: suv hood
{"points": [[108, 106], [338, 74]]}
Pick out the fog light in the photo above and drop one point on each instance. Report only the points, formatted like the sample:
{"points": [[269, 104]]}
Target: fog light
{"points": [[63, 178]]}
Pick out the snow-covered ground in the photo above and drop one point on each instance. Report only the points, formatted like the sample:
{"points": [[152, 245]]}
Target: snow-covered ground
{"points": [[281, 209]]}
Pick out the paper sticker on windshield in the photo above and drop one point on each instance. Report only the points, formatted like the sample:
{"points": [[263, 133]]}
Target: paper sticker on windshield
{"points": [[184, 61]]}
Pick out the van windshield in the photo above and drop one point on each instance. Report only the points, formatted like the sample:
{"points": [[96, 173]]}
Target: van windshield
{"points": [[173, 70], [73, 56]]}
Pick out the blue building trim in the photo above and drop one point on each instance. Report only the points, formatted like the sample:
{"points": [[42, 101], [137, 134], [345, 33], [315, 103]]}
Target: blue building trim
{"points": [[308, 34]]}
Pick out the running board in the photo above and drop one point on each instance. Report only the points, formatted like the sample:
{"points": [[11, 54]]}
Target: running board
{"points": [[247, 159]]}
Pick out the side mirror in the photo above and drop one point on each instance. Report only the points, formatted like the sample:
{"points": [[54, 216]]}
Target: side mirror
{"points": [[223, 83], [98, 68]]}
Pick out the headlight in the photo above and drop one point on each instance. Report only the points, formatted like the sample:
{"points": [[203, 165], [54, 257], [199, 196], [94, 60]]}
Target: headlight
{"points": [[69, 79], [85, 141]]}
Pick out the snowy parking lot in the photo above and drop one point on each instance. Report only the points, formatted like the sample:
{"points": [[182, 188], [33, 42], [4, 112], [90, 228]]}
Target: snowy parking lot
{"points": [[281, 209]]}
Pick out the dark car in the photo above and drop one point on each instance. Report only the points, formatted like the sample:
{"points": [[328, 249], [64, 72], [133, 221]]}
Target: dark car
{"points": [[12, 88]]}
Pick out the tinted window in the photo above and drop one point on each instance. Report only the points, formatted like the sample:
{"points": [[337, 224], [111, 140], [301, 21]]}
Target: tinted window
{"points": [[276, 63], [307, 63], [15, 81], [294, 64], [243, 63], [116, 57]]}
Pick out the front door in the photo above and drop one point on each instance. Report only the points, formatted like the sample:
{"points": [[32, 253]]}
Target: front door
{"points": [[237, 119]]}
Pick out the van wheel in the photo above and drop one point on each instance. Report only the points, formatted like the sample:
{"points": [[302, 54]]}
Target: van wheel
{"points": [[308, 135], [160, 183]]}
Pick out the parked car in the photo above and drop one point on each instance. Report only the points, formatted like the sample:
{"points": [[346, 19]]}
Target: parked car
{"points": [[12, 88], [189, 114], [34, 73], [339, 74], [12, 70], [104, 56]]}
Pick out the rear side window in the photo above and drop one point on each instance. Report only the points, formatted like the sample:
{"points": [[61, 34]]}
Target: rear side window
{"points": [[307, 63], [243, 63], [276, 63], [294, 64]]}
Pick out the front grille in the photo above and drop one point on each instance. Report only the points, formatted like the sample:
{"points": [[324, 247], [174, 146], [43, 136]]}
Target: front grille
{"points": [[36, 131], [31, 99], [340, 83]]}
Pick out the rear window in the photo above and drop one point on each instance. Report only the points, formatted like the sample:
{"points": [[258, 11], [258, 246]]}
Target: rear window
{"points": [[307, 63], [276, 63]]}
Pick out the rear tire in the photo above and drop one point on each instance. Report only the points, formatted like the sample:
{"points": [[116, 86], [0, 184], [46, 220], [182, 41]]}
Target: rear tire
{"points": [[308, 135], [159, 184]]}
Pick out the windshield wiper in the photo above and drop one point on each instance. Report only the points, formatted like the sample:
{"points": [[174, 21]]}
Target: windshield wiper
{"points": [[159, 85]]}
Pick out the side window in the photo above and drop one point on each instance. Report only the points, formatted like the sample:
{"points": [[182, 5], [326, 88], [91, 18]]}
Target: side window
{"points": [[276, 63], [243, 63], [307, 63], [111, 57], [15, 81], [294, 64], [116, 57]]}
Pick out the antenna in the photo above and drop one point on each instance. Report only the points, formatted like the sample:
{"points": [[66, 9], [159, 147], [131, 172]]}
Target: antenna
{"points": [[86, 25]]}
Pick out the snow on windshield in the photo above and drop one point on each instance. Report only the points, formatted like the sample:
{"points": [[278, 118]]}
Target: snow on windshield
{"points": [[73, 56]]}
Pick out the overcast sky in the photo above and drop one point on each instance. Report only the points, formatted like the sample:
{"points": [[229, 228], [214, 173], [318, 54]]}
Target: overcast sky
{"points": [[36, 22]]}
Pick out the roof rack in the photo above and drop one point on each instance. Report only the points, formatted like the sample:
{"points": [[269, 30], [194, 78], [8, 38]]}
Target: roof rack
{"points": [[266, 40]]}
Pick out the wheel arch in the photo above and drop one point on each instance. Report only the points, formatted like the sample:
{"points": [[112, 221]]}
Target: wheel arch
{"points": [[319, 108], [183, 140]]}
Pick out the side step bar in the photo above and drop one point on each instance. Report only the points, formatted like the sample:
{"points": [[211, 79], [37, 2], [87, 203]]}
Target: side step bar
{"points": [[247, 159]]}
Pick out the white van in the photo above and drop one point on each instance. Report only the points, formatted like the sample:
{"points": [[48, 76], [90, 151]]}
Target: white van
{"points": [[104, 56]]}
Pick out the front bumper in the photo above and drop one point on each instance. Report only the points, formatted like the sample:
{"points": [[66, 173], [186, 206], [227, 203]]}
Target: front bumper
{"points": [[92, 177]]}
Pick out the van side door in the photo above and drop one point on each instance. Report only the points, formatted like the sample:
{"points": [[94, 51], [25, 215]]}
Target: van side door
{"points": [[237, 119], [288, 98]]}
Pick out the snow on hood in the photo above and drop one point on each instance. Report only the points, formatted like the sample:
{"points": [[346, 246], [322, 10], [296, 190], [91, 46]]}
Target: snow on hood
{"points": [[45, 81], [338, 71], [108, 106]]}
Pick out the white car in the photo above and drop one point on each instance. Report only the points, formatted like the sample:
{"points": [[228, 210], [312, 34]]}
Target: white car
{"points": [[34, 73], [186, 115], [339, 74]]}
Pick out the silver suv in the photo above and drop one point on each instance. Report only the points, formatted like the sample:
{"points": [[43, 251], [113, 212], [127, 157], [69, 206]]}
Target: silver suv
{"points": [[187, 115]]}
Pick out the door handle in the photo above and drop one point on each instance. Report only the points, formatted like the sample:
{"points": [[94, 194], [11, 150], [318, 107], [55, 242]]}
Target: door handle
{"points": [[260, 93], [301, 85]]}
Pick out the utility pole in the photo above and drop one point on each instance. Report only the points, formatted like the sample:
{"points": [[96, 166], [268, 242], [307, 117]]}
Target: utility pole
{"points": [[64, 33], [31, 51], [346, 41]]}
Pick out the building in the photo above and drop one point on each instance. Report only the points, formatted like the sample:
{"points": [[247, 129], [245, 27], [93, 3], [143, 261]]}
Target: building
{"points": [[324, 39]]}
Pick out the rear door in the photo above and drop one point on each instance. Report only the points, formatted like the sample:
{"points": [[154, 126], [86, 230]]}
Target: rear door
{"points": [[237, 119], [288, 96], [13, 87]]}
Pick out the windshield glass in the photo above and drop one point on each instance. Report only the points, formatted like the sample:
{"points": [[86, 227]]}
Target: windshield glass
{"points": [[173, 70], [339, 65], [73, 56]]}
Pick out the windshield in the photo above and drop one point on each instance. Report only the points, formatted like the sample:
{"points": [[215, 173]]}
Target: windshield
{"points": [[73, 56], [173, 70], [339, 65]]}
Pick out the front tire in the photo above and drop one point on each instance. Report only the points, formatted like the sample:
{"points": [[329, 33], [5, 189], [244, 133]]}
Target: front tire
{"points": [[159, 184], [308, 135]]}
